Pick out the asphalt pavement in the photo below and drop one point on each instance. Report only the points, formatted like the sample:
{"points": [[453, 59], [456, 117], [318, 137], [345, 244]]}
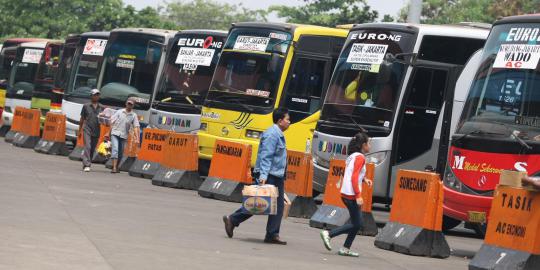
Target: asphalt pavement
{"points": [[54, 216]]}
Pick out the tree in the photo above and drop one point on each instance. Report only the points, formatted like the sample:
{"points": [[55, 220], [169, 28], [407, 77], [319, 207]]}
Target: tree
{"points": [[197, 14], [327, 12], [58, 18], [455, 11]]}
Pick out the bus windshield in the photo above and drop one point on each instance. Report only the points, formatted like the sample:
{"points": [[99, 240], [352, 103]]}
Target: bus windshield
{"points": [[190, 66], [244, 74], [367, 79], [65, 66], [131, 68], [23, 72], [48, 66], [504, 98], [88, 61]]}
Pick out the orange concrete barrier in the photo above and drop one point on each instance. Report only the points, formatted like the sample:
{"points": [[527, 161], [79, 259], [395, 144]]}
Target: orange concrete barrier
{"points": [[131, 149], [230, 169], [53, 140], [151, 153], [299, 184], [77, 152], [180, 162], [415, 224], [333, 213], [30, 127], [16, 125], [513, 233]]}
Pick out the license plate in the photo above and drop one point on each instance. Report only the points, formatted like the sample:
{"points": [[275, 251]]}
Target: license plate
{"points": [[477, 217]]}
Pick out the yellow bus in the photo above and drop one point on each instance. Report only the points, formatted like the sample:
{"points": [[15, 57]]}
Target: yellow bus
{"points": [[264, 66]]}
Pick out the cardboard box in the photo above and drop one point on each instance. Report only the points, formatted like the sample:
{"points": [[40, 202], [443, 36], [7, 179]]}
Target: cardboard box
{"points": [[511, 178], [287, 206], [260, 200]]}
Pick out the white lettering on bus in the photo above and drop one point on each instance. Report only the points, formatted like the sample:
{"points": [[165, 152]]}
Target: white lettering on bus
{"points": [[458, 162]]}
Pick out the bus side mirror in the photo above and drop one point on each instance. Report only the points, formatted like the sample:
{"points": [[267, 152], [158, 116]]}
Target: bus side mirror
{"points": [[404, 58], [149, 59], [273, 65], [151, 49]]}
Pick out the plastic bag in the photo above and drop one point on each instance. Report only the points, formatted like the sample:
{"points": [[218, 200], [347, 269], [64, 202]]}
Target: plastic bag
{"points": [[104, 149]]}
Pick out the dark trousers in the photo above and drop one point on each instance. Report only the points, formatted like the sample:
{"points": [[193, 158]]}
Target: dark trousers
{"points": [[274, 221], [351, 229], [90, 143]]}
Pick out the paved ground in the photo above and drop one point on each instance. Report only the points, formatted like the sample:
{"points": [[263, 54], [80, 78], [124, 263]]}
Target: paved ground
{"points": [[53, 216]]}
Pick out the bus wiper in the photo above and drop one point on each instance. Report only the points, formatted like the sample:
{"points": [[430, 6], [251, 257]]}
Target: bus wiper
{"points": [[514, 134], [235, 100], [354, 121], [475, 132]]}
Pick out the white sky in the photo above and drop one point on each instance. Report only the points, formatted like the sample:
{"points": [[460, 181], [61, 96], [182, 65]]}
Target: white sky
{"points": [[391, 7]]}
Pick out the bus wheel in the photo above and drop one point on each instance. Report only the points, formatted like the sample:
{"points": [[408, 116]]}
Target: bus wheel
{"points": [[480, 229], [449, 223]]}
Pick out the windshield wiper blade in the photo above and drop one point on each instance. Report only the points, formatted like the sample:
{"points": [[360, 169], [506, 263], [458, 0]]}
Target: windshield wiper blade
{"points": [[514, 134], [354, 122], [235, 100], [476, 132]]}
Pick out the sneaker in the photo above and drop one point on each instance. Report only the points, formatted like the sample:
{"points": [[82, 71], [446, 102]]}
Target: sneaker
{"points": [[347, 252], [325, 236], [86, 169]]}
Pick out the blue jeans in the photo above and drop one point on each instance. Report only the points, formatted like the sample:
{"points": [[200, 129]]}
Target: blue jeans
{"points": [[351, 229], [117, 147], [274, 221]]}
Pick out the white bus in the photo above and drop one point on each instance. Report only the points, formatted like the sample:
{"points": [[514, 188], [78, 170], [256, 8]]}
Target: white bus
{"points": [[396, 81], [132, 65], [191, 60]]}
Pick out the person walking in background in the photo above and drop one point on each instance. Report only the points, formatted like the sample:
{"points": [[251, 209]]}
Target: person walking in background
{"points": [[123, 122], [269, 169], [351, 193], [89, 125]]}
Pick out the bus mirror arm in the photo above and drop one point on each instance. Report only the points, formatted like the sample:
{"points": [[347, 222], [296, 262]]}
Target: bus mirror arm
{"points": [[149, 59], [273, 65], [404, 58]]}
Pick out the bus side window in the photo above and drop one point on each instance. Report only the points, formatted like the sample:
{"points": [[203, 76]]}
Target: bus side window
{"points": [[303, 93], [310, 74]]}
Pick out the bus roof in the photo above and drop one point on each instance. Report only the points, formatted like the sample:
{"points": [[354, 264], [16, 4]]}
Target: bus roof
{"points": [[528, 18], [150, 31], [295, 28], [40, 44], [204, 31], [102, 34], [466, 30], [16, 41]]}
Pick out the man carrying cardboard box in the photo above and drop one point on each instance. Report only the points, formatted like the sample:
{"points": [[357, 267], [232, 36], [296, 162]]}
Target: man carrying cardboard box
{"points": [[269, 169]]}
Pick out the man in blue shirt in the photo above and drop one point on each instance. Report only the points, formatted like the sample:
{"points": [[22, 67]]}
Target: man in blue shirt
{"points": [[269, 169]]}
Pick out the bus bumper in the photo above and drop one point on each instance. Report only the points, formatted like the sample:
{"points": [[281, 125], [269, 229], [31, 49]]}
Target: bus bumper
{"points": [[457, 205], [320, 174], [7, 118]]}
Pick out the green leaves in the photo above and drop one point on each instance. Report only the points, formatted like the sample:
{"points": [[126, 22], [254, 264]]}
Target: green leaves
{"points": [[488, 11], [208, 14], [58, 18], [328, 12]]}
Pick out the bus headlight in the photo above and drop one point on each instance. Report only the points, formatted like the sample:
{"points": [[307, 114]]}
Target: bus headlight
{"points": [[204, 126], [451, 181], [253, 134], [376, 158]]}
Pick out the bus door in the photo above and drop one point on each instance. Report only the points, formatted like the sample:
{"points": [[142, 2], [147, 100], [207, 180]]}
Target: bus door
{"points": [[308, 80], [421, 132]]}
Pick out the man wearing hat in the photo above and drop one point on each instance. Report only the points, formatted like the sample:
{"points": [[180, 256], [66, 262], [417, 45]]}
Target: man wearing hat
{"points": [[123, 122], [89, 125]]}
